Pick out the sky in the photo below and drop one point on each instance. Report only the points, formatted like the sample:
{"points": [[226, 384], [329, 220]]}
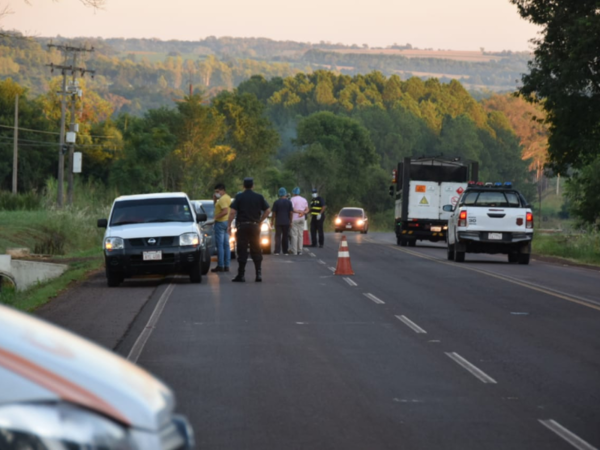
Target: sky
{"points": [[439, 24]]}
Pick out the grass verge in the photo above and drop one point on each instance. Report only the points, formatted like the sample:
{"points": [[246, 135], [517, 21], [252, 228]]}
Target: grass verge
{"points": [[582, 248]]}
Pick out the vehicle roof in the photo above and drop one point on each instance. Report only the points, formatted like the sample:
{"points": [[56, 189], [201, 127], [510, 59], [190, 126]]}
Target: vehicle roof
{"points": [[150, 196], [351, 207], [205, 202], [491, 189]]}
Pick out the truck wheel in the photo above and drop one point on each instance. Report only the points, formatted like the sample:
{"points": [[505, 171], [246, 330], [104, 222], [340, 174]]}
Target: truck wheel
{"points": [[450, 252], [205, 262], [196, 272], [113, 279], [513, 258], [402, 242], [524, 258], [459, 256], [412, 243]]}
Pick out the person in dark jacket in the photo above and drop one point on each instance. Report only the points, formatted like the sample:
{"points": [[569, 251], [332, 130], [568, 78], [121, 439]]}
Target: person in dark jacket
{"points": [[249, 209], [317, 212], [282, 216]]}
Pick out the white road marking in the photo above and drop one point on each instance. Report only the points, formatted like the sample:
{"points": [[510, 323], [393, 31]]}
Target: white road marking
{"points": [[568, 436], [410, 324], [322, 262], [331, 268], [140, 342], [312, 254], [350, 281], [373, 298], [480, 374], [535, 287]]}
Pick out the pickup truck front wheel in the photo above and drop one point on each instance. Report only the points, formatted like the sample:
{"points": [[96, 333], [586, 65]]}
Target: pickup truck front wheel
{"points": [[524, 258]]}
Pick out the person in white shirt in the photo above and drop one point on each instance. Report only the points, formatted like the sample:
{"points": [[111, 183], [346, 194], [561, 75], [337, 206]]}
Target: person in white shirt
{"points": [[300, 211]]}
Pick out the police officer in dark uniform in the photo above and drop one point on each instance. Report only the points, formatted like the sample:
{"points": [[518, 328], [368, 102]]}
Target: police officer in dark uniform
{"points": [[249, 210], [317, 213]]}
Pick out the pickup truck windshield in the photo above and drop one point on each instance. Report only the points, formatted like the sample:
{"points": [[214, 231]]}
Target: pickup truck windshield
{"points": [[501, 199], [151, 210], [351, 213]]}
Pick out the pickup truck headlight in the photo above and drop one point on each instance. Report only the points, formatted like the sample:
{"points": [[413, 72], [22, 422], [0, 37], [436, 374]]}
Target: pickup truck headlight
{"points": [[114, 243], [59, 426], [188, 239]]}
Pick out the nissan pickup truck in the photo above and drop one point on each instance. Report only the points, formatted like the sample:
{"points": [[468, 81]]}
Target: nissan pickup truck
{"points": [[490, 218]]}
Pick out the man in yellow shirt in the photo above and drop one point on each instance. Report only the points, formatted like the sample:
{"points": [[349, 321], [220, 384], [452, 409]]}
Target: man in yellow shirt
{"points": [[221, 236]]}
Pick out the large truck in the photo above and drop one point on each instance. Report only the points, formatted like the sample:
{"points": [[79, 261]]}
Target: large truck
{"points": [[422, 186]]}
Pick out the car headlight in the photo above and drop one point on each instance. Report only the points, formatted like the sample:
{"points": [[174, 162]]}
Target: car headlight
{"points": [[59, 426], [264, 227], [360, 222], [189, 239], [338, 221], [114, 243]]}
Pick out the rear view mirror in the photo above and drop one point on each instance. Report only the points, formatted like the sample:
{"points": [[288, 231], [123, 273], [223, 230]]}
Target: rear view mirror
{"points": [[102, 223], [448, 208], [391, 191], [201, 217]]}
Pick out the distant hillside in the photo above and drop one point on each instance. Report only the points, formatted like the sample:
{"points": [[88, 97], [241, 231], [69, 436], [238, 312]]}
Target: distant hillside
{"points": [[138, 74]]}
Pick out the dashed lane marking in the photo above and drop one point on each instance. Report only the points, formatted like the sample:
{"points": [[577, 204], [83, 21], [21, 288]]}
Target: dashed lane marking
{"points": [[140, 342], [568, 297], [350, 281], [567, 435], [322, 262], [410, 324], [331, 268], [474, 370], [373, 298]]}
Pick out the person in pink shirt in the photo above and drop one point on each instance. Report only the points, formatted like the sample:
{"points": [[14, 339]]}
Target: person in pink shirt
{"points": [[300, 211]]}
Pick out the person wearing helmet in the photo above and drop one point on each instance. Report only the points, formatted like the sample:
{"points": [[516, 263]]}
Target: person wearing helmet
{"points": [[317, 212], [300, 206], [282, 216]]}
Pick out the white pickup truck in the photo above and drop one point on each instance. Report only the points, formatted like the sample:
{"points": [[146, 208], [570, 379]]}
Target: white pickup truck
{"points": [[490, 219]]}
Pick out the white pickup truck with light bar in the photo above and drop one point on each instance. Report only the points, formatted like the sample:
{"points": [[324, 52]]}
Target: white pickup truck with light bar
{"points": [[490, 218]]}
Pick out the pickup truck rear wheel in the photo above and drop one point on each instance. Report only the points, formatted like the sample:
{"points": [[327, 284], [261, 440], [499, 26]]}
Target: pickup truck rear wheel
{"points": [[524, 258], [402, 242], [459, 256], [450, 252], [513, 258]]}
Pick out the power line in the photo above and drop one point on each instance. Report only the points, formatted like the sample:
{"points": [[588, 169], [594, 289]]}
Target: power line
{"points": [[54, 132]]}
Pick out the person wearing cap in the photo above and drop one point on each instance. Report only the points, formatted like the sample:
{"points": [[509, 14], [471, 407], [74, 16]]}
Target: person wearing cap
{"points": [[317, 212], [300, 206], [249, 210], [282, 216]]}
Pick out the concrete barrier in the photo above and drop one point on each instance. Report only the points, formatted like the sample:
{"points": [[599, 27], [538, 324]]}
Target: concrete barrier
{"points": [[25, 274]]}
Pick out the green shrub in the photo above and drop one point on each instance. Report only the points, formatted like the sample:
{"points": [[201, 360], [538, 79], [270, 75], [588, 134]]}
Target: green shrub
{"points": [[29, 201]]}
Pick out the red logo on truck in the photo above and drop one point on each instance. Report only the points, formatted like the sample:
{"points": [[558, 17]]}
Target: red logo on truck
{"points": [[460, 190]]}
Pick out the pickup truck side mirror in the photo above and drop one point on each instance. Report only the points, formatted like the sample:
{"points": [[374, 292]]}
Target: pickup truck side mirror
{"points": [[102, 223], [201, 217], [391, 191], [448, 208]]}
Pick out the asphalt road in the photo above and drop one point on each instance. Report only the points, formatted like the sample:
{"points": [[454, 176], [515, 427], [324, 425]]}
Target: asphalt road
{"points": [[412, 352]]}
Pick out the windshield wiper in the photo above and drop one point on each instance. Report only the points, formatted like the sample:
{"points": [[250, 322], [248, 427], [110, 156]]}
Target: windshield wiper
{"points": [[123, 223]]}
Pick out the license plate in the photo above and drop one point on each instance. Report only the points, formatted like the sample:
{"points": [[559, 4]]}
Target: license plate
{"points": [[436, 229], [153, 256], [496, 236], [349, 226]]}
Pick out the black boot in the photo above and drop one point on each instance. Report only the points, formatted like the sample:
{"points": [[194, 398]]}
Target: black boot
{"points": [[258, 275], [241, 273]]}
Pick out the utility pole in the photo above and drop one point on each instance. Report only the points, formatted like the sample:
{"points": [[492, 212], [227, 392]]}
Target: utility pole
{"points": [[73, 69], [15, 146]]}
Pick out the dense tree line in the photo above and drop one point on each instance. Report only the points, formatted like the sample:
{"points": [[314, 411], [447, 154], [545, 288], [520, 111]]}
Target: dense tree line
{"points": [[339, 133]]}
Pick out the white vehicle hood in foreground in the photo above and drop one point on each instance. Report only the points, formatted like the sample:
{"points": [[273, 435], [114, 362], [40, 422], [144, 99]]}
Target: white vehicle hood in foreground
{"points": [[148, 230], [42, 362]]}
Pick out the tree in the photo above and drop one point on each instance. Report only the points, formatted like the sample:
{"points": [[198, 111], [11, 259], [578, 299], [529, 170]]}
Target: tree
{"points": [[582, 193], [565, 77]]}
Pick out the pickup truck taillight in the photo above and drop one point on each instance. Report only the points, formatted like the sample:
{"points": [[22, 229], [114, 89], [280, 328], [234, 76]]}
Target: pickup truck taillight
{"points": [[462, 219], [529, 220]]}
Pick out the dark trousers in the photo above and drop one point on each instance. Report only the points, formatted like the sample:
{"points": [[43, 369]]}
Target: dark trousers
{"points": [[248, 235], [317, 226], [282, 238]]}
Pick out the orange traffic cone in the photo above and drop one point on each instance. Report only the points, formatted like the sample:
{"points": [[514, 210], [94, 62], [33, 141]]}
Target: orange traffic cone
{"points": [[343, 264], [305, 236]]}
